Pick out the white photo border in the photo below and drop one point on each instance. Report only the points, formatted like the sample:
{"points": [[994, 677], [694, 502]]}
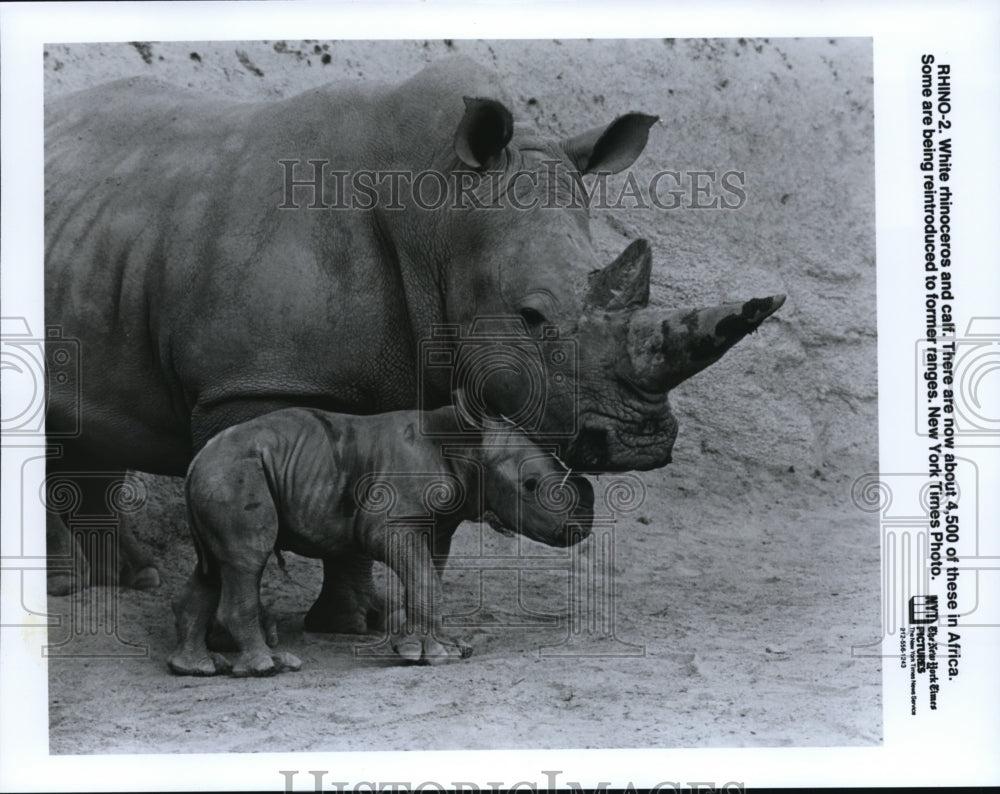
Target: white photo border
{"points": [[956, 747]]}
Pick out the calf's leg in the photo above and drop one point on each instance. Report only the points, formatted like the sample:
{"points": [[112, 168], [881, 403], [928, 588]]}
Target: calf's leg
{"points": [[421, 638], [234, 522], [193, 611], [348, 602], [240, 613]]}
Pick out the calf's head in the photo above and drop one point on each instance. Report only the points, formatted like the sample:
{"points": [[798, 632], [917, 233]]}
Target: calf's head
{"points": [[527, 491]]}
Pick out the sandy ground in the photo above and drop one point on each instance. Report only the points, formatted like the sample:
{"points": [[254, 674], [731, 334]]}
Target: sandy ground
{"points": [[742, 581], [734, 618]]}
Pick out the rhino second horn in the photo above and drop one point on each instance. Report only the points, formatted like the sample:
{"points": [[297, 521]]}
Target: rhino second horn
{"points": [[624, 284], [667, 350]]}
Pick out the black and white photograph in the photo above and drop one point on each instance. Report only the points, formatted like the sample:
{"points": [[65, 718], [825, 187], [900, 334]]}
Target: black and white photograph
{"points": [[493, 396]]}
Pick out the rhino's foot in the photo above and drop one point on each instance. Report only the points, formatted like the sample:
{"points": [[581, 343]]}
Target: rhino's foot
{"points": [[185, 662], [262, 664], [424, 649], [219, 638]]}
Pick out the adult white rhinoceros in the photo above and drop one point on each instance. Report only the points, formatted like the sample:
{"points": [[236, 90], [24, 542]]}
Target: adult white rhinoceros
{"points": [[218, 260]]}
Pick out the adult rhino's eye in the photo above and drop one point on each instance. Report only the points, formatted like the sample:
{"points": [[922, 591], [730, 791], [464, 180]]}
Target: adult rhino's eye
{"points": [[531, 484], [532, 317]]}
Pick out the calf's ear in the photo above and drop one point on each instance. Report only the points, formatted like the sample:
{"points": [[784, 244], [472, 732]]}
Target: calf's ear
{"points": [[613, 148], [484, 131]]}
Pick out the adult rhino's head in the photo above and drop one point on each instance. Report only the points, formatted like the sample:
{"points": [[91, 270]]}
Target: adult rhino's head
{"points": [[539, 329]]}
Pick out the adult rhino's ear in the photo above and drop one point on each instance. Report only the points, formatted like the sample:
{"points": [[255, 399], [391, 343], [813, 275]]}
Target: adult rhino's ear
{"points": [[484, 131], [612, 148]]}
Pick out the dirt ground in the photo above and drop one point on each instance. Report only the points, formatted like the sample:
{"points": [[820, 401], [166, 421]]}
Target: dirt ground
{"points": [[734, 617], [745, 577]]}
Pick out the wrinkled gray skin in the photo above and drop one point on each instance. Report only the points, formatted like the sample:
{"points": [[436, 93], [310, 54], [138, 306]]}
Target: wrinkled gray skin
{"points": [[334, 485], [200, 304]]}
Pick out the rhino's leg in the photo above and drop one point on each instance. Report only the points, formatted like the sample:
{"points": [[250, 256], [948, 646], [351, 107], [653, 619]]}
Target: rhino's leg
{"points": [[239, 611], [442, 548], [193, 610], [349, 602], [82, 553], [235, 524], [135, 565], [422, 639], [219, 638], [68, 569]]}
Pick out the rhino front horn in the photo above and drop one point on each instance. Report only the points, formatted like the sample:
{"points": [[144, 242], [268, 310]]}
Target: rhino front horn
{"points": [[667, 350]]}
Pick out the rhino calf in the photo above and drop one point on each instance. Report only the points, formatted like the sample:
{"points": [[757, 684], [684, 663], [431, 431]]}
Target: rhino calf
{"points": [[356, 488]]}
